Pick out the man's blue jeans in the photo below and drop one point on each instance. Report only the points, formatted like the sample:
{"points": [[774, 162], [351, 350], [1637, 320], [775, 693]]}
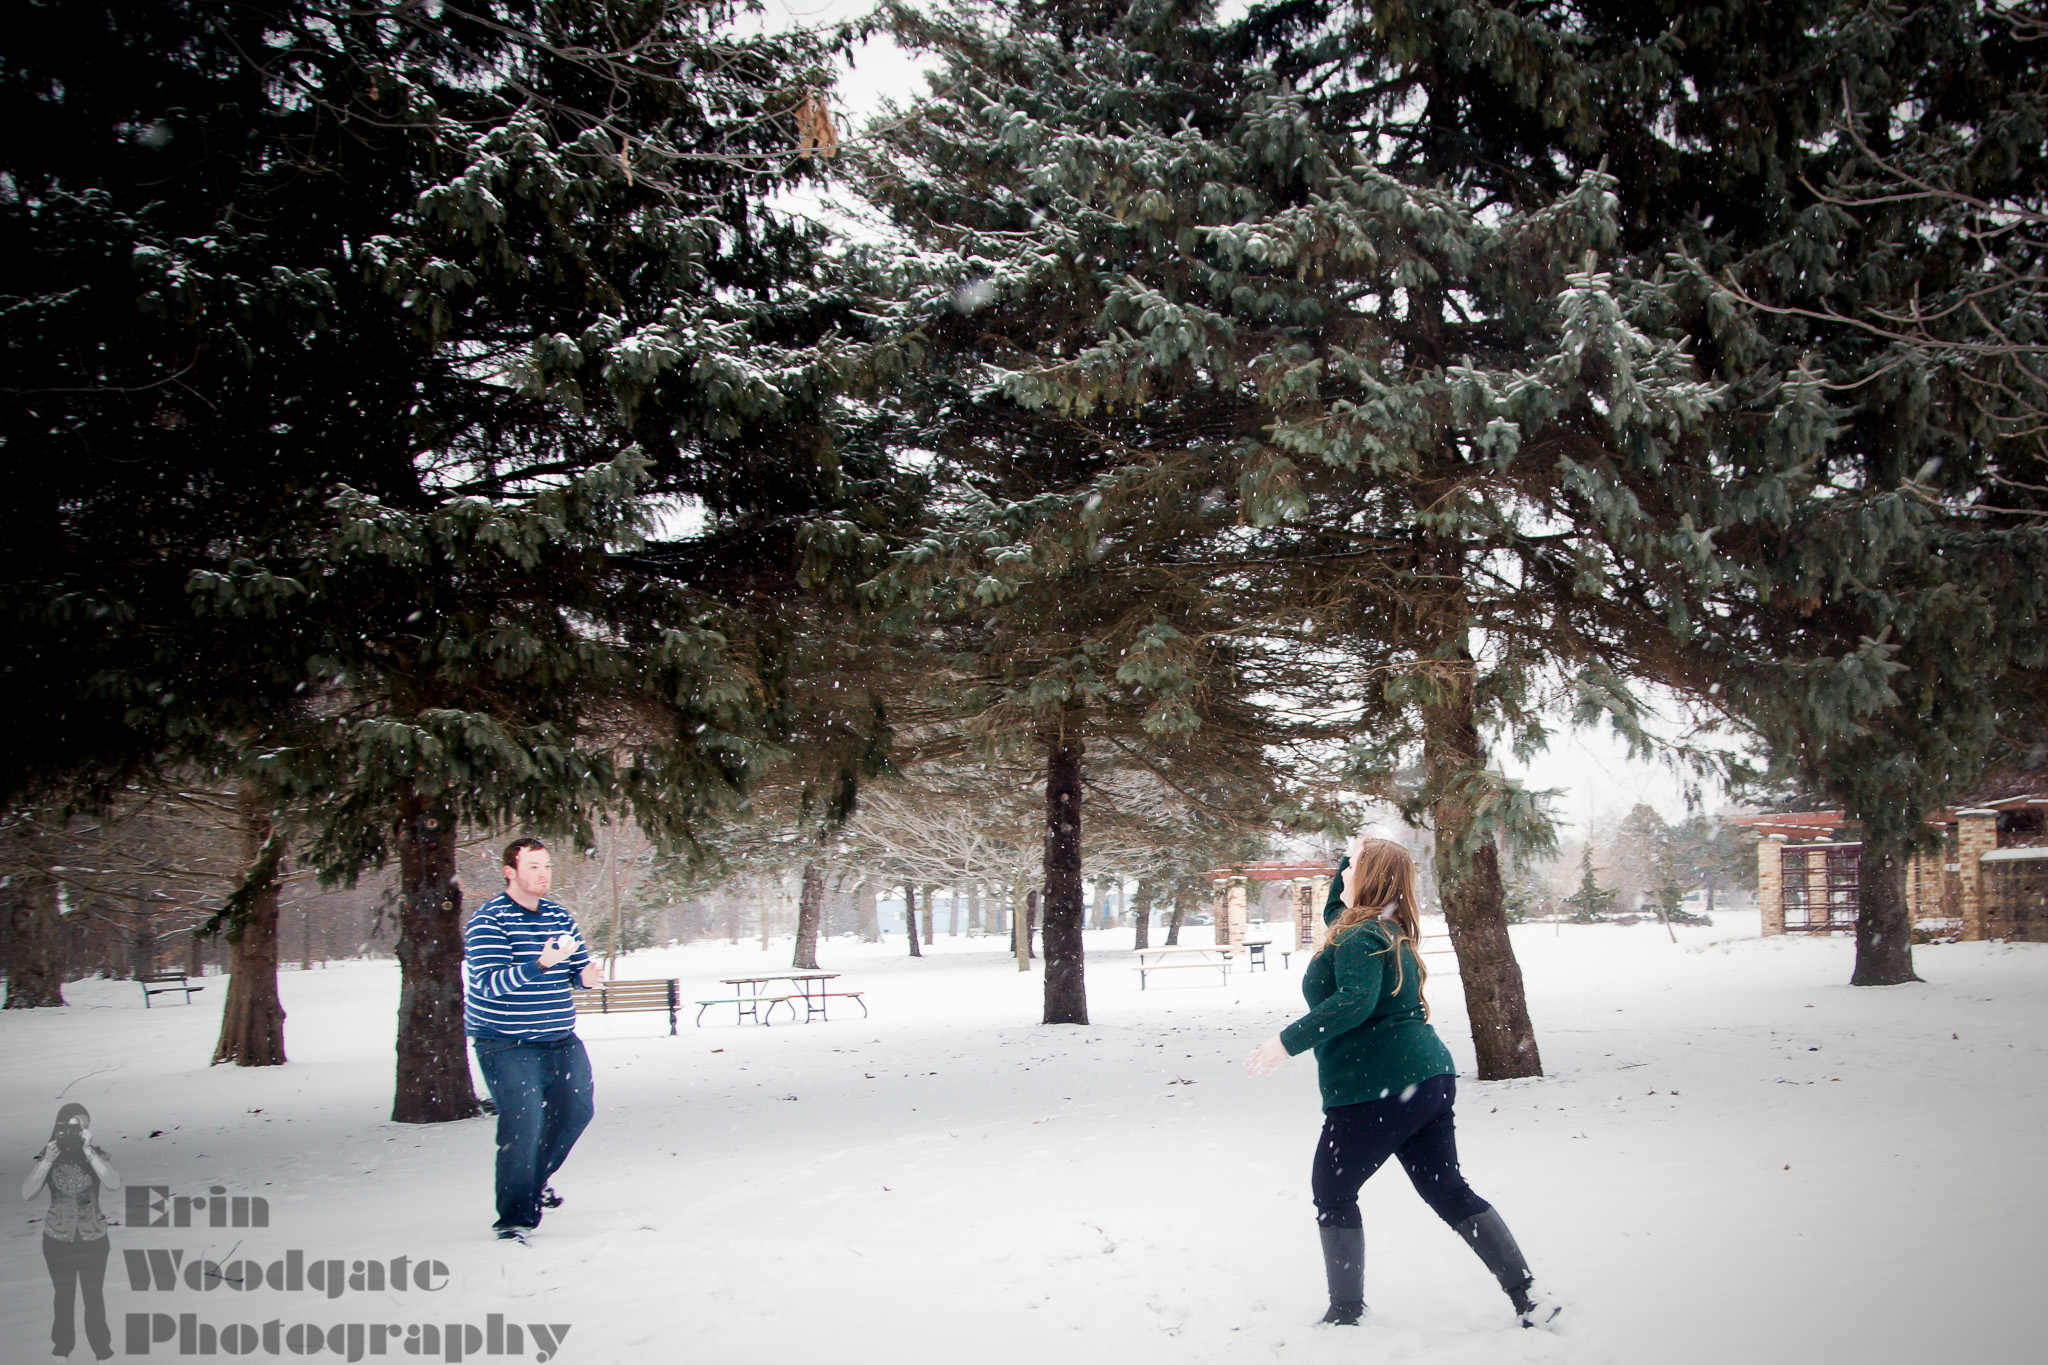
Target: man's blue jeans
{"points": [[542, 1090]]}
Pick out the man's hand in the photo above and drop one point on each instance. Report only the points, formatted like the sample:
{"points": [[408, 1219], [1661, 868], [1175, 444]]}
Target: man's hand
{"points": [[558, 950], [591, 976], [1266, 1058]]}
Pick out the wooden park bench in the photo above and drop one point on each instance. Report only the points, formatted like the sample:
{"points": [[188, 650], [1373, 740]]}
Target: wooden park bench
{"points": [[163, 983], [814, 1002], [629, 997]]}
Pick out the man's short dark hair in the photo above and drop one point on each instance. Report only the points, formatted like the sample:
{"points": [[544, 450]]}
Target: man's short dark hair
{"points": [[519, 846]]}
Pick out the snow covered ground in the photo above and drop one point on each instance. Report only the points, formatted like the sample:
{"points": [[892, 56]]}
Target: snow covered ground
{"points": [[1734, 1157]]}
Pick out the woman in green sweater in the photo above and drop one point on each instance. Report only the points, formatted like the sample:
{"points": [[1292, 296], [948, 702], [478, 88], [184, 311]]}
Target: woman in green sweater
{"points": [[1388, 1081]]}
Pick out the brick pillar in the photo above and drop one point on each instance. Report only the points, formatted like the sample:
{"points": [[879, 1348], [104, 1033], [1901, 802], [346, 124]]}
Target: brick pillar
{"points": [[1221, 913], [1817, 895], [1307, 924], [1233, 907], [1976, 835], [1923, 891], [1770, 882]]}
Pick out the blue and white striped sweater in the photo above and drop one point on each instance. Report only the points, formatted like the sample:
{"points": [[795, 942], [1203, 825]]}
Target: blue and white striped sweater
{"points": [[509, 995]]}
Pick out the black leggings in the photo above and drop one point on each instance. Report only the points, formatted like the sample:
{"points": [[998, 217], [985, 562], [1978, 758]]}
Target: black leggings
{"points": [[78, 1270], [1415, 1126]]}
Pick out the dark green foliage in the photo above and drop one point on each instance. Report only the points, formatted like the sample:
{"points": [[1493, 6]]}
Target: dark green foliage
{"points": [[1852, 567], [348, 347], [257, 256], [1090, 577], [1589, 904], [1232, 339]]}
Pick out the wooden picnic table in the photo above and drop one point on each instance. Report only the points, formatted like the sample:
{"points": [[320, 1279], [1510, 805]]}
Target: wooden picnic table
{"points": [[1217, 955], [810, 987], [1223, 948]]}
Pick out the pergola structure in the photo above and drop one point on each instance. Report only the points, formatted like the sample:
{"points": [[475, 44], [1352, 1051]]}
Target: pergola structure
{"points": [[1990, 879], [1311, 881]]}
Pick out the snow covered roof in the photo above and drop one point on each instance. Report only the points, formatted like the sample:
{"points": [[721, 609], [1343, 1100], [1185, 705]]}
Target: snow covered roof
{"points": [[2013, 855], [1273, 872], [1823, 823]]}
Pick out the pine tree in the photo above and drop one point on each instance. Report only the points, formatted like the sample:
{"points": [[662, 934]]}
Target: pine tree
{"points": [[1078, 577], [1589, 903], [492, 666], [331, 326], [1250, 352], [1850, 567]]}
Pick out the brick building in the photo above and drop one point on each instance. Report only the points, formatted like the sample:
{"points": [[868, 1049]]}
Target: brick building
{"points": [[1989, 881]]}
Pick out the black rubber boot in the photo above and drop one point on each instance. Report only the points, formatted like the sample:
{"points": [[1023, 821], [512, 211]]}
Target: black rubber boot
{"points": [[1489, 1236], [1344, 1268]]}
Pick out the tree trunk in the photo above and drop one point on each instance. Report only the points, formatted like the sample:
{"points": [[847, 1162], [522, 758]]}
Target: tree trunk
{"points": [[1066, 986], [611, 859], [810, 908], [910, 918], [1020, 925], [974, 919], [433, 1063], [35, 962], [142, 946], [953, 913], [1141, 904], [1468, 880], [1031, 923], [1180, 912], [1884, 919], [867, 920], [761, 903], [931, 894], [252, 1019], [732, 919]]}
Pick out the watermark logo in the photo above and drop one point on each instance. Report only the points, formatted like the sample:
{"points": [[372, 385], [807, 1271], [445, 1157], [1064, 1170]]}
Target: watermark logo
{"points": [[154, 1206], [291, 1273], [186, 1335], [76, 1247]]}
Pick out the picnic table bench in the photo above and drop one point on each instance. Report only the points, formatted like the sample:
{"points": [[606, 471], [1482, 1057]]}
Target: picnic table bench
{"points": [[747, 1007], [629, 997], [163, 983], [1215, 957], [811, 987]]}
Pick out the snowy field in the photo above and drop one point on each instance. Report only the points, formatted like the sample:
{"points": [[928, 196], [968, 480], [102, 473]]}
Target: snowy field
{"points": [[1734, 1158]]}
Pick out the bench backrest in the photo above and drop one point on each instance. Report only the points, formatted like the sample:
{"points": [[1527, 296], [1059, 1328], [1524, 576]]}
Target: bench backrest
{"points": [[626, 995], [162, 979]]}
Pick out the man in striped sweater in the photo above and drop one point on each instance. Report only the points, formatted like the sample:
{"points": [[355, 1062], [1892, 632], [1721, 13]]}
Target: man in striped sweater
{"points": [[521, 952]]}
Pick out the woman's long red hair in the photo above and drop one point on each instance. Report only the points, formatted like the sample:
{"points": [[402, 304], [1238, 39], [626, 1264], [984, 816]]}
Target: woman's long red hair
{"points": [[1382, 874]]}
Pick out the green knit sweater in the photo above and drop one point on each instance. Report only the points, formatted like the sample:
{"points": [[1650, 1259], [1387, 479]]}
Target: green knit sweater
{"points": [[1370, 1036]]}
